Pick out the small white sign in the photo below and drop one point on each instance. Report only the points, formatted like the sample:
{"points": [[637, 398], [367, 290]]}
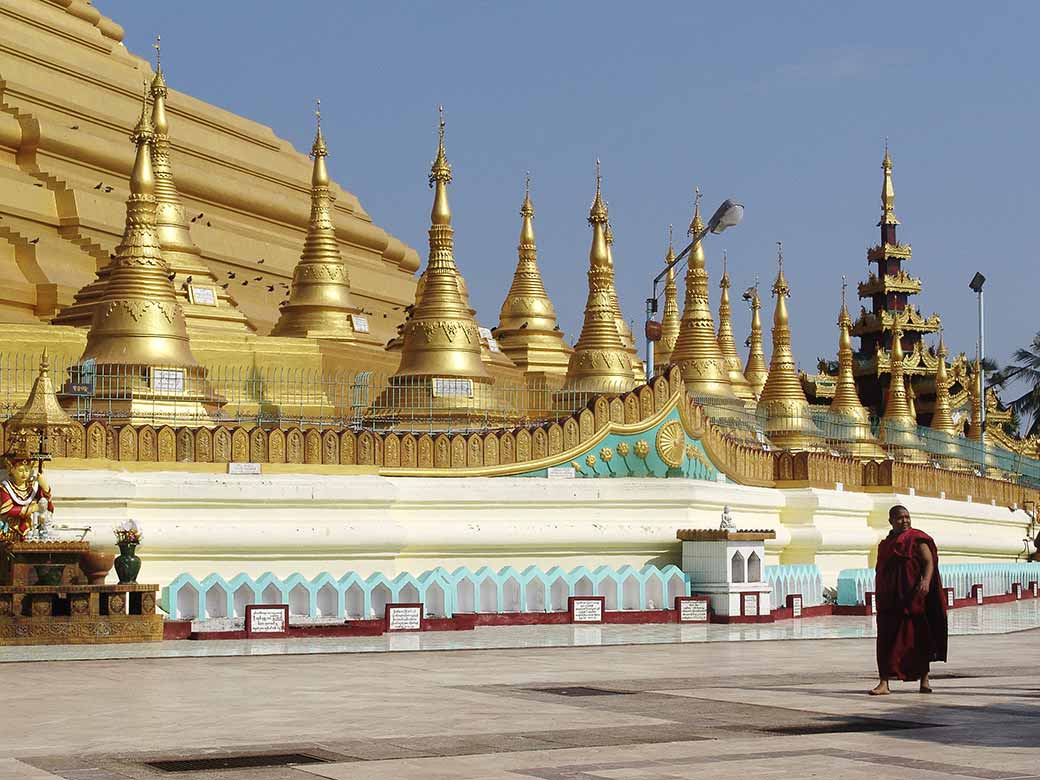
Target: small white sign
{"points": [[359, 322], [202, 296], [1034, 587], [560, 472], [405, 619], [693, 611], [978, 595], [750, 604], [243, 468], [450, 386], [267, 621], [493, 345], [1017, 590], [168, 380], [796, 607], [588, 611], [485, 333], [949, 598]]}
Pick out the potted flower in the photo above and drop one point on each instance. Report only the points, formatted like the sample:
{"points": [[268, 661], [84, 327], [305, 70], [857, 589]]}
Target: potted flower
{"points": [[128, 565]]}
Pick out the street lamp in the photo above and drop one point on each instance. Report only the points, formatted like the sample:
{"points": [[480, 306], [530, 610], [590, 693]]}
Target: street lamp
{"points": [[976, 283], [728, 214]]}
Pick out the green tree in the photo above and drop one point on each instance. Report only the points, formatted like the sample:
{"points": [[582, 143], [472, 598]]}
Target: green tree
{"points": [[1024, 369]]}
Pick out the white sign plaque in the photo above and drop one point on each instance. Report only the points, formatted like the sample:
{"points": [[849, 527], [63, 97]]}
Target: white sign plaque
{"points": [[693, 611], [359, 322], [493, 345], [267, 621], [560, 472], [202, 296], [485, 333], [405, 619], [588, 611], [750, 603], [243, 468], [949, 598], [448, 386], [1033, 587], [978, 595], [1016, 589], [796, 607], [168, 380]]}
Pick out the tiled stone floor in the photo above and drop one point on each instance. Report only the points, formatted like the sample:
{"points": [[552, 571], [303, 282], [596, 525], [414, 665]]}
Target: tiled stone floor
{"points": [[680, 711], [991, 619]]}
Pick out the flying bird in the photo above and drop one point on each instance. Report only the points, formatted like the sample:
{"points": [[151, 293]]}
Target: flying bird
{"points": [[230, 274], [270, 288], [99, 185]]}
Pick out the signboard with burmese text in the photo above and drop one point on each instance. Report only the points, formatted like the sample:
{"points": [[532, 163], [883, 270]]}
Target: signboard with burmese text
{"points": [[586, 609], [267, 621], [692, 609], [403, 617]]}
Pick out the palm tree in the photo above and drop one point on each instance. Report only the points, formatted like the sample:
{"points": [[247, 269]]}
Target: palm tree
{"points": [[1024, 368]]}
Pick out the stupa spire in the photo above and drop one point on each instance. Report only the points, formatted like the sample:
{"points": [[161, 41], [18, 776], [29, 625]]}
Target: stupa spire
{"points": [[727, 346], [696, 350], [898, 431], [942, 417], [138, 321], [527, 330], [320, 305], [627, 337], [848, 420], [671, 319], [788, 422], [888, 193], [600, 363], [755, 371]]}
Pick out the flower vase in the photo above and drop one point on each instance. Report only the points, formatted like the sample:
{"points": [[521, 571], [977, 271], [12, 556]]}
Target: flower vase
{"points": [[127, 565]]}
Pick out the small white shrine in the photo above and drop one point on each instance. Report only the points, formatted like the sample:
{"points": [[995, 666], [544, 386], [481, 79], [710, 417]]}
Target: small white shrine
{"points": [[728, 566]]}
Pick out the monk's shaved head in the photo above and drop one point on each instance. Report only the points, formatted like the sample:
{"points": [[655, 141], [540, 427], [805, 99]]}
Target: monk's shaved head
{"points": [[899, 517], [897, 509]]}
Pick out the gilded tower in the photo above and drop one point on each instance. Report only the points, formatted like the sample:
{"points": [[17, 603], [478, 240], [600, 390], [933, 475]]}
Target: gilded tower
{"points": [[670, 320], [205, 303], [788, 420], [441, 377], [528, 332], [319, 304], [696, 350], [848, 421], [627, 338], [727, 346], [600, 362], [898, 429], [138, 328], [755, 371], [945, 434]]}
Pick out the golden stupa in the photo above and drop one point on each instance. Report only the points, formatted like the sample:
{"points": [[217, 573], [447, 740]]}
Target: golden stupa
{"points": [[528, 332], [205, 303], [788, 421], [898, 430], [848, 421], [319, 304], [600, 362], [727, 346], [755, 370], [671, 319], [41, 411], [945, 434], [441, 379], [627, 337], [696, 349]]}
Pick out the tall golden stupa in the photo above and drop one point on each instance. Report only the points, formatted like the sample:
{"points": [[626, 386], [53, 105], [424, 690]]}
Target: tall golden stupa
{"points": [[696, 350], [670, 319], [600, 362], [755, 370], [898, 431], [528, 332], [788, 420], [441, 377], [627, 337], [848, 421], [319, 304], [727, 346]]}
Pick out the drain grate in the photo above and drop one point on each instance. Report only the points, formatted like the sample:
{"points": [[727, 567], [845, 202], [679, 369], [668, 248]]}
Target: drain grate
{"points": [[840, 726], [234, 762], [582, 690]]}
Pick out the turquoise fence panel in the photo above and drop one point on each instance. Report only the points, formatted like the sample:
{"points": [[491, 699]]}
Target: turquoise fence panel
{"points": [[996, 579]]}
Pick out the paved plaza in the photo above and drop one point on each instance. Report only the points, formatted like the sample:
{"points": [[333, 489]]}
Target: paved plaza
{"points": [[663, 711]]}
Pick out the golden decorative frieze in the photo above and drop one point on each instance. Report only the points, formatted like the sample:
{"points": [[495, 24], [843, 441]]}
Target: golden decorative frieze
{"points": [[885, 251], [900, 282]]}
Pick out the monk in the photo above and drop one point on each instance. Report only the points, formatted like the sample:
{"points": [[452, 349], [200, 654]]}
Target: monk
{"points": [[911, 610]]}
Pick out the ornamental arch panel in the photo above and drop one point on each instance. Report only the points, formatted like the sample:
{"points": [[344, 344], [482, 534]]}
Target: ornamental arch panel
{"points": [[147, 446], [348, 448]]}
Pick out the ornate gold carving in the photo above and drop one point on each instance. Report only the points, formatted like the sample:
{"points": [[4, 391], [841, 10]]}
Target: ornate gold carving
{"points": [[671, 443], [348, 448], [474, 451], [409, 451], [95, 440], [491, 449], [507, 448], [221, 445], [426, 459], [294, 446], [127, 443], [185, 446], [330, 448], [276, 446], [555, 436], [240, 446], [312, 447], [258, 446], [442, 452], [166, 445], [203, 446], [147, 446]]}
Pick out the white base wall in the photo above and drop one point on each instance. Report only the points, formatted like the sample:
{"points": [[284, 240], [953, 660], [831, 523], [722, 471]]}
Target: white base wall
{"points": [[309, 523]]}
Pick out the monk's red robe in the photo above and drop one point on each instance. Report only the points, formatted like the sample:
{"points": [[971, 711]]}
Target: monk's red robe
{"points": [[912, 630]]}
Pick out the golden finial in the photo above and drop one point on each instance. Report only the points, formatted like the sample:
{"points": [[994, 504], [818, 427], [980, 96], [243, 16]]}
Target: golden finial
{"points": [[318, 149], [143, 130], [440, 171], [724, 281], [670, 238], [526, 209], [158, 82], [671, 321], [158, 52], [696, 225], [727, 345], [527, 212], [888, 195], [598, 211], [780, 286]]}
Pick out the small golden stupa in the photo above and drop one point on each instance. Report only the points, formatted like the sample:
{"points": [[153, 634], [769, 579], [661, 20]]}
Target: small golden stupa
{"points": [[944, 430], [848, 421], [528, 332], [671, 319], [898, 431], [788, 420], [441, 379], [138, 338], [696, 350], [627, 338], [727, 346], [755, 371], [319, 304], [41, 412], [600, 362]]}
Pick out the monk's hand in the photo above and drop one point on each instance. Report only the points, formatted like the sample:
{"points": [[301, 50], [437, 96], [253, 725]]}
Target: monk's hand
{"points": [[922, 587]]}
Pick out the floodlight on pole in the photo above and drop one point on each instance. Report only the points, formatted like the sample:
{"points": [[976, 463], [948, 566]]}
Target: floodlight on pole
{"points": [[728, 214], [976, 284]]}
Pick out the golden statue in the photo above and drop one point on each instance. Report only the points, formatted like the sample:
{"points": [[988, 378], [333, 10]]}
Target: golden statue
{"points": [[25, 493]]}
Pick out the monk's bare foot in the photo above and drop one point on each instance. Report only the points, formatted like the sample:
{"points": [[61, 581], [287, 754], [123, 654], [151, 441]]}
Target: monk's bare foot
{"points": [[881, 689], [925, 685]]}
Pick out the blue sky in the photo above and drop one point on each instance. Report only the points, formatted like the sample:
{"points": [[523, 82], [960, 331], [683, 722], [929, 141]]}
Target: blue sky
{"points": [[782, 105]]}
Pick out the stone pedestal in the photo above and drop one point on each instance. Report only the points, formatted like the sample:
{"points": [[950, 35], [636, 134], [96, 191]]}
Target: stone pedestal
{"points": [[728, 566]]}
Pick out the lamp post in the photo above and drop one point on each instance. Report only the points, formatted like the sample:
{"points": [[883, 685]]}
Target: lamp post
{"points": [[976, 283], [728, 214]]}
